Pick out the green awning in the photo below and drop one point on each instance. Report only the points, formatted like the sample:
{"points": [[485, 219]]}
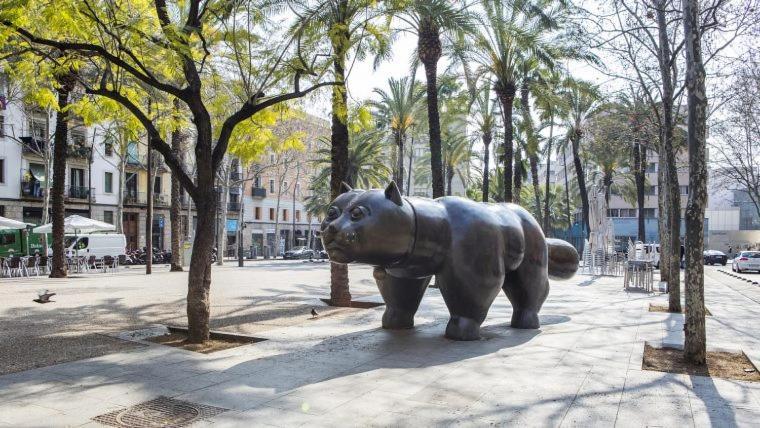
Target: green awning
{"points": [[38, 172]]}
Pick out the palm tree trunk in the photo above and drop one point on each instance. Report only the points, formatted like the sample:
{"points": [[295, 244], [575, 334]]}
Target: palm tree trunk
{"points": [[400, 162], [581, 177], [176, 207], [429, 51], [548, 175], [567, 194], [694, 328], [518, 174], [531, 146], [339, 139], [449, 179], [506, 94], [60, 146], [486, 157], [533, 158], [409, 173]]}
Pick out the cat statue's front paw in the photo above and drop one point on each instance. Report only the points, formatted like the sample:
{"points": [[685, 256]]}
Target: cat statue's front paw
{"points": [[462, 328]]}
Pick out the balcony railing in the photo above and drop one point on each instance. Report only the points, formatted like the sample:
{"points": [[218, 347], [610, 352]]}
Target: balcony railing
{"points": [[78, 151], [233, 206], [135, 198], [78, 192], [236, 176], [160, 200], [32, 189], [259, 192], [32, 145]]}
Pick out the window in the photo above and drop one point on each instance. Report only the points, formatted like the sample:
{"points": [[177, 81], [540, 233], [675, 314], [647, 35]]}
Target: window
{"points": [[77, 177], [627, 212], [2, 125], [298, 215], [652, 167], [108, 147], [684, 190], [257, 213], [271, 159], [108, 217], [650, 190], [271, 186], [284, 215], [284, 185], [2, 210], [78, 138], [298, 187], [109, 183], [7, 238], [2, 171], [271, 213], [613, 212], [650, 213], [157, 185], [257, 181]]}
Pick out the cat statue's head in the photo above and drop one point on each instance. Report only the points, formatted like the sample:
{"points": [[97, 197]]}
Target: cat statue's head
{"points": [[374, 226]]}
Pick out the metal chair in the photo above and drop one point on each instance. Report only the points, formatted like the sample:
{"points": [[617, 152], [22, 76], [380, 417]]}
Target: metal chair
{"points": [[30, 265]]}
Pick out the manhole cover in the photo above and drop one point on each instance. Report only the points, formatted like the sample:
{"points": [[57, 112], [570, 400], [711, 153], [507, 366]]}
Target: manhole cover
{"points": [[160, 412]]}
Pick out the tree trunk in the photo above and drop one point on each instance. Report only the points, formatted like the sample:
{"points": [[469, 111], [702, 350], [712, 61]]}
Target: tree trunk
{"points": [[449, 179], [149, 213], [567, 193], [486, 157], [533, 158], [409, 172], [639, 168], [547, 224], [225, 191], [506, 94], [60, 146], [176, 207], [339, 139], [517, 197], [671, 181], [694, 328], [120, 203], [199, 276], [295, 188], [429, 51], [400, 162], [662, 220], [575, 140]]}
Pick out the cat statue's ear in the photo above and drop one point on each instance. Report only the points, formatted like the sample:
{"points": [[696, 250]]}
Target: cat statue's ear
{"points": [[392, 193], [344, 187]]}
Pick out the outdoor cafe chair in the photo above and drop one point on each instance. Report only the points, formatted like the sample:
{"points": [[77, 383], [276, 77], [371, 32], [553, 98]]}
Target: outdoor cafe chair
{"points": [[42, 265], [109, 262], [16, 266], [30, 265], [5, 270]]}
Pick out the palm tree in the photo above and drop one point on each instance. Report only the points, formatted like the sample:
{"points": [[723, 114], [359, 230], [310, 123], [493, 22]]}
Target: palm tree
{"points": [[583, 101], [397, 110], [429, 20], [550, 102], [485, 121], [350, 27], [511, 31]]}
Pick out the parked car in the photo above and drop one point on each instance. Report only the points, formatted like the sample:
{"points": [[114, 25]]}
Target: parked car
{"points": [[714, 257], [746, 260], [298, 253]]}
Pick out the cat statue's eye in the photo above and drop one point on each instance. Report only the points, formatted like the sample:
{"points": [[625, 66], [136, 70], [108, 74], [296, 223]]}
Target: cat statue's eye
{"points": [[357, 213], [333, 212]]}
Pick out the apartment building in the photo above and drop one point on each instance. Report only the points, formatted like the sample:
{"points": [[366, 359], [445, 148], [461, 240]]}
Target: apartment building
{"points": [[275, 191], [93, 185]]}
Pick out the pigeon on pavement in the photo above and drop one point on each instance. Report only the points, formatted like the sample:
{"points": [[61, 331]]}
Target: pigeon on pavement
{"points": [[44, 297], [314, 312]]}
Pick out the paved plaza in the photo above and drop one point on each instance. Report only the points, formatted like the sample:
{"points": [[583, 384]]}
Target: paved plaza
{"points": [[582, 368]]}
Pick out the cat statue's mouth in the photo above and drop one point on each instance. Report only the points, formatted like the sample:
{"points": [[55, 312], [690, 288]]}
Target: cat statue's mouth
{"points": [[337, 252]]}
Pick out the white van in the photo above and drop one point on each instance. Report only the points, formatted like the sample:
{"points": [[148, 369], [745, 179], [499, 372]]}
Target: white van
{"points": [[96, 244]]}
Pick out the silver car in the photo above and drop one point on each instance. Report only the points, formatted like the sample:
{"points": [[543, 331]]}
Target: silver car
{"points": [[746, 260]]}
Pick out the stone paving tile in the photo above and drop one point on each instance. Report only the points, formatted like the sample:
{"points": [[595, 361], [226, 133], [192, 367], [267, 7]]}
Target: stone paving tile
{"points": [[582, 368]]}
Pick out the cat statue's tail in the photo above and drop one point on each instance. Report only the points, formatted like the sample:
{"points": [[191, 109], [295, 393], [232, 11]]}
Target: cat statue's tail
{"points": [[563, 259]]}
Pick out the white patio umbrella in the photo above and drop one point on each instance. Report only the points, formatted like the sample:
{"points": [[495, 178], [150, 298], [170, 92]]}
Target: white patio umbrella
{"points": [[77, 224], [7, 223]]}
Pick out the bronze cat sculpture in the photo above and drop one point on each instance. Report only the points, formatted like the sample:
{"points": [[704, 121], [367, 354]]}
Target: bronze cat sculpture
{"points": [[474, 250]]}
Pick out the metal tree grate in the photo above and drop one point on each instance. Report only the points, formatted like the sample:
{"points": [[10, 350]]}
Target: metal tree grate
{"points": [[159, 412]]}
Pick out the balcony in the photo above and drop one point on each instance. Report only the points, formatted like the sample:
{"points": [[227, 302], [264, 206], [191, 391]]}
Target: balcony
{"points": [[32, 189], [33, 146], [233, 207], [135, 198], [79, 192], [259, 192], [236, 176], [160, 200], [76, 150]]}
